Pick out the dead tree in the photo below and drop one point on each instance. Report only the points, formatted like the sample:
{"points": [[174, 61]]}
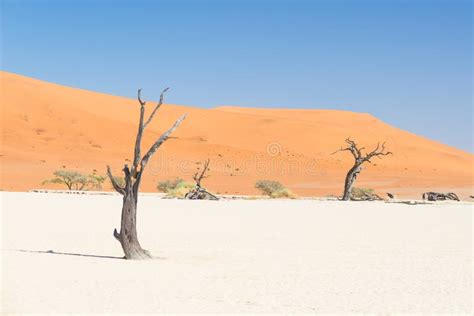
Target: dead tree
{"points": [[359, 159], [199, 176], [198, 192], [435, 196], [133, 176]]}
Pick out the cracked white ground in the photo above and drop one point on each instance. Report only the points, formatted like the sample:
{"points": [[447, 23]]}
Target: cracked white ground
{"points": [[278, 256]]}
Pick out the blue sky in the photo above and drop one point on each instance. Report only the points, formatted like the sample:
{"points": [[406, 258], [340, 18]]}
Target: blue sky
{"points": [[407, 62]]}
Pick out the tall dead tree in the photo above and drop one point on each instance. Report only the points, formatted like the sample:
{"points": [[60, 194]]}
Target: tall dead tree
{"points": [[133, 176], [359, 159]]}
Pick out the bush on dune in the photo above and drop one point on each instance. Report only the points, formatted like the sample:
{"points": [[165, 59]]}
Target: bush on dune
{"points": [[274, 189]]}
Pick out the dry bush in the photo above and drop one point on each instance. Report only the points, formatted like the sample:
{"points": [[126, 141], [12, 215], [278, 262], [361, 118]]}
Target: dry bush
{"points": [[274, 189], [168, 185], [174, 188], [359, 193]]}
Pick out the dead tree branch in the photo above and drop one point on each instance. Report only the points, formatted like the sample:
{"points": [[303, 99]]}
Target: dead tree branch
{"points": [[198, 177], [156, 107], [116, 186]]}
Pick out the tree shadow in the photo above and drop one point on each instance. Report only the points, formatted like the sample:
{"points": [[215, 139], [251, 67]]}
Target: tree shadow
{"points": [[52, 252]]}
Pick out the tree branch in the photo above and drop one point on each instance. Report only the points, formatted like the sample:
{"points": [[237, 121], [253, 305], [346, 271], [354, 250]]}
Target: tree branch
{"points": [[126, 170], [352, 148], [116, 234], [138, 140], [197, 177], [339, 150], [377, 152], [357, 152], [139, 96], [156, 108], [160, 141], [116, 186]]}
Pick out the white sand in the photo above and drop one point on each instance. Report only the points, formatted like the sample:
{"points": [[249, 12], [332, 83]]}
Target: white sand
{"points": [[236, 256]]}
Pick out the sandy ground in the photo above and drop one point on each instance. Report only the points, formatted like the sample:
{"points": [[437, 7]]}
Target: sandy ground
{"points": [[46, 127], [278, 256]]}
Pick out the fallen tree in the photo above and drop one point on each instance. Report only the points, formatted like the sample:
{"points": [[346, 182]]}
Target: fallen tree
{"points": [[435, 196], [132, 176]]}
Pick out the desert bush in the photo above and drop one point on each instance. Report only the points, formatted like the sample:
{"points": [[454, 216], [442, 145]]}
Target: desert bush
{"points": [[274, 189], [175, 187], [167, 185], [283, 193], [268, 186], [95, 181], [359, 193], [75, 180], [180, 190]]}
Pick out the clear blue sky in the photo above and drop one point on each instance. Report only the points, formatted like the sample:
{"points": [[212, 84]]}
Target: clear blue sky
{"points": [[407, 62]]}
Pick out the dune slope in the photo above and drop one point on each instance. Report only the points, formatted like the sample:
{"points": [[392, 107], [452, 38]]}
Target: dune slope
{"points": [[46, 126]]}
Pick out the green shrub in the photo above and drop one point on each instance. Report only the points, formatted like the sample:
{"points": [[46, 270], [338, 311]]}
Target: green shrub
{"points": [[283, 193], [359, 193], [268, 186], [273, 189], [95, 181], [75, 180], [180, 190], [168, 185], [174, 188]]}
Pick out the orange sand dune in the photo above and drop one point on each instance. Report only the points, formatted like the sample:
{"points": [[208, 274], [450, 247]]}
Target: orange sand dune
{"points": [[47, 126]]}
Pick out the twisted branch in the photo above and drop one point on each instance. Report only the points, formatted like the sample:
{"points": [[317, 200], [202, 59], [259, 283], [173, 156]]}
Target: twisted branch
{"points": [[156, 107], [116, 186], [160, 141], [198, 177], [357, 152]]}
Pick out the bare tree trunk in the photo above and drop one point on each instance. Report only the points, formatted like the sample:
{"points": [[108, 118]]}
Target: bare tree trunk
{"points": [[128, 237], [349, 182], [128, 231]]}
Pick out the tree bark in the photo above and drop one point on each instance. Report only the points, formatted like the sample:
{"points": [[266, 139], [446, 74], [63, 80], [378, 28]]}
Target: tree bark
{"points": [[128, 230], [349, 182]]}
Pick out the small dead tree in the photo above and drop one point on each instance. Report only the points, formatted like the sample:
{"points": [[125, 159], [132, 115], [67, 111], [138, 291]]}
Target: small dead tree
{"points": [[132, 176], [199, 176], [198, 192], [359, 159]]}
